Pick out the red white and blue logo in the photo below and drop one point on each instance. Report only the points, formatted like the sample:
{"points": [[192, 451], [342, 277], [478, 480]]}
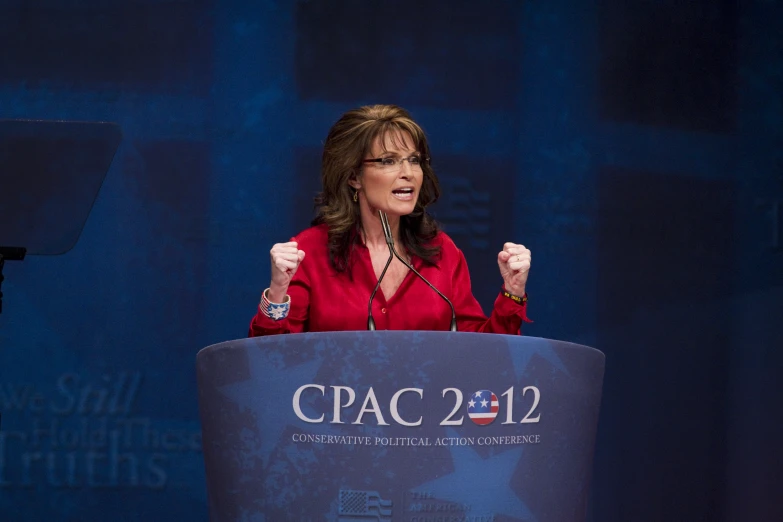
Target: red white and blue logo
{"points": [[483, 407]]}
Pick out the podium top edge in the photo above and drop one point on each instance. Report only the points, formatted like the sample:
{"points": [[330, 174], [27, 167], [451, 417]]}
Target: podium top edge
{"points": [[276, 339]]}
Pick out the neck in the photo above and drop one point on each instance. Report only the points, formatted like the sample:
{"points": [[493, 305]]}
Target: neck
{"points": [[373, 230]]}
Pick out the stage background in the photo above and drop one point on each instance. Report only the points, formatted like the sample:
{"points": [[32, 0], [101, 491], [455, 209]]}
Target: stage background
{"points": [[635, 146]]}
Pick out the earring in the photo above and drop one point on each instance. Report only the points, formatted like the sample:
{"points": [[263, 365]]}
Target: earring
{"points": [[356, 196]]}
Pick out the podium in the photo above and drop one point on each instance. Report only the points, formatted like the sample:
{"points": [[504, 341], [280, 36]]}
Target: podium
{"points": [[398, 426]]}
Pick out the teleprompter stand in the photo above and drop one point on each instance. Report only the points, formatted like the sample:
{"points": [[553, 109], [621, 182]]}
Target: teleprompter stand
{"points": [[50, 175], [11, 254]]}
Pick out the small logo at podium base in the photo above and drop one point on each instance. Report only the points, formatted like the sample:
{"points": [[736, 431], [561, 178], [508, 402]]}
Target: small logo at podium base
{"points": [[361, 506]]}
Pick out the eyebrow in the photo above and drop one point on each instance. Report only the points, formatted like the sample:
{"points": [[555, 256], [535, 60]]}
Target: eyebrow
{"points": [[387, 154]]}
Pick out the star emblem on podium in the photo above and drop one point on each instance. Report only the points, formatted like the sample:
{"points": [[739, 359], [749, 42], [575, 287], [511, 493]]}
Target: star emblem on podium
{"points": [[269, 416], [521, 358], [496, 473]]}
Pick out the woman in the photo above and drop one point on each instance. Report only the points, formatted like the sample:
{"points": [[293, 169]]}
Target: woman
{"points": [[377, 158]]}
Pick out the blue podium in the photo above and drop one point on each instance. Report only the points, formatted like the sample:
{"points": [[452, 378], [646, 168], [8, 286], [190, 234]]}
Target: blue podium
{"points": [[398, 426]]}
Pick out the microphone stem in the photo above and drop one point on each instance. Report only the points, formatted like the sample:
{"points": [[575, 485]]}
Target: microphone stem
{"points": [[453, 325], [393, 251], [370, 320]]}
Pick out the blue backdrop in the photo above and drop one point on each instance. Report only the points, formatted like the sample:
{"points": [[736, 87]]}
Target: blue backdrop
{"points": [[635, 147]]}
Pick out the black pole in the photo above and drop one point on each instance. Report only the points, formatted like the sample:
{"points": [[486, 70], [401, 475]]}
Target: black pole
{"points": [[2, 264], [10, 254]]}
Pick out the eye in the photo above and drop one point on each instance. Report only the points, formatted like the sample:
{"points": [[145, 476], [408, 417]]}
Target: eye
{"points": [[415, 160], [388, 162]]}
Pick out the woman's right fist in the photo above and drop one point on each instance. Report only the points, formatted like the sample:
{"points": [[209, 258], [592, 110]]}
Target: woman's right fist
{"points": [[286, 258]]}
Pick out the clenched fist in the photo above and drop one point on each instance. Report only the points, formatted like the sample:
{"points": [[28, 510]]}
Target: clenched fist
{"points": [[286, 258], [514, 263]]}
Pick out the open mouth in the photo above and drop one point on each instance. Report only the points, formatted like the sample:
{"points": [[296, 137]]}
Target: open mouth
{"points": [[403, 193]]}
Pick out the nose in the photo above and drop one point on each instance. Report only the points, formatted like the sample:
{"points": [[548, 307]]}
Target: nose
{"points": [[405, 170]]}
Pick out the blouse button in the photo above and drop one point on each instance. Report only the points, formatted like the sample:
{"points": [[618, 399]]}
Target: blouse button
{"points": [[383, 310]]}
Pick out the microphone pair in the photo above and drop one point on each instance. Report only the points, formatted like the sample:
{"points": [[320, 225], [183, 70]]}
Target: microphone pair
{"points": [[387, 234]]}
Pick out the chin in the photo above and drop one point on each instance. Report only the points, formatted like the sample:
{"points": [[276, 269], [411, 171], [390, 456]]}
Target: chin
{"points": [[401, 208], [401, 211]]}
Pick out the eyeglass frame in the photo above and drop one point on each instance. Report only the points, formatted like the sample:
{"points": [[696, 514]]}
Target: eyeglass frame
{"points": [[398, 163]]}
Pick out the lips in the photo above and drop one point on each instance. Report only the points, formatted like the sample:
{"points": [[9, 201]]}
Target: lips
{"points": [[403, 194]]}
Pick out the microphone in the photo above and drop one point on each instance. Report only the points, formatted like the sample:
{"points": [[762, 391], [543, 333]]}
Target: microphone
{"points": [[392, 251], [370, 320]]}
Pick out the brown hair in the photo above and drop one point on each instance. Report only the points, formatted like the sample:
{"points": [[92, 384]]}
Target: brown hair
{"points": [[346, 145]]}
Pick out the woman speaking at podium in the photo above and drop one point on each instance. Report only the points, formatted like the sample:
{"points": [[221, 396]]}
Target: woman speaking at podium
{"points": [[376, 185]]}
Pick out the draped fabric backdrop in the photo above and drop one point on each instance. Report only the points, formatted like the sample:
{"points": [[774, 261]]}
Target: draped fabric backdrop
{"points": [[635, 146]]}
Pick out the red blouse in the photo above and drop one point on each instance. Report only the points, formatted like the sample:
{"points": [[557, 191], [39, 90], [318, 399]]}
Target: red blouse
{"points": [[324, 300]]}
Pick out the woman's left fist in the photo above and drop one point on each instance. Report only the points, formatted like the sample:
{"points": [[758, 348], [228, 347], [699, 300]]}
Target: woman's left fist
{"points": [[514, 263]]}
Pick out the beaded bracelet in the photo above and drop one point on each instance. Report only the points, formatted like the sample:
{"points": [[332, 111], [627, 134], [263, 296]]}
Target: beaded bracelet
{"points": [[519, 300], [274, 311]]}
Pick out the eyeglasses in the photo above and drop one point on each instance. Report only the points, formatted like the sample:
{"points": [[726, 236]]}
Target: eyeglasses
{"points": [[392, 164]]}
